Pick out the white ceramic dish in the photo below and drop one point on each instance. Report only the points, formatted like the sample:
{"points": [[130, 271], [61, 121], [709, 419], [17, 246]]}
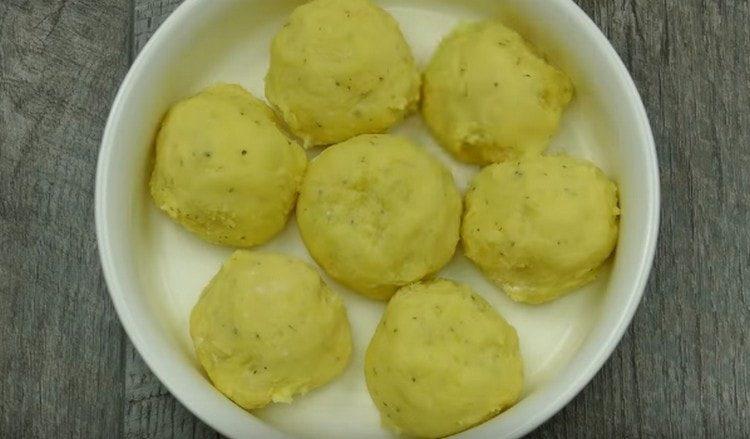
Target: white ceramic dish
{"points": [[155, 270]]}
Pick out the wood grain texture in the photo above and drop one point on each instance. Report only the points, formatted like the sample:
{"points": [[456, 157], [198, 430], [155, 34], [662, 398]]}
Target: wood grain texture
{"points": [[682, 369], [61, 345]]}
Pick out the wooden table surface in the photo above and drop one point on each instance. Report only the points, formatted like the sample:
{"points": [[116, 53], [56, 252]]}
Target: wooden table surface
{"points": [[68, 370]]}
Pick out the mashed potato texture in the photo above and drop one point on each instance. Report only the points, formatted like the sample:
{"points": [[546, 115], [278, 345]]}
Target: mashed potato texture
{"points": [[489, 96], [378, 212], [224, 169], [267, 328], [340, 68], [441, 361], [541, 227]]}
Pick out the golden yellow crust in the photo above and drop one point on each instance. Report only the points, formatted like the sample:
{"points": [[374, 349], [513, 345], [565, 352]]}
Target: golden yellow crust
{"points": [[340, 68]]}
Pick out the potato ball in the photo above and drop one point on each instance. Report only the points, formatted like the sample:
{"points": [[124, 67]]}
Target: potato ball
{"points": [[267, 328], [223, 168], [441, 361], [490, 97], [378, 212], [540, 227], [340, 68]]}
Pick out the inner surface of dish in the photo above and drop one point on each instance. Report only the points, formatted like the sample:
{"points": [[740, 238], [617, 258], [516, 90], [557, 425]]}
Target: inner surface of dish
{"points": [[174, 265]]}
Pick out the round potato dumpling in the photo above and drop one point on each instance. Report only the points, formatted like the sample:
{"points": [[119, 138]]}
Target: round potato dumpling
{"points": [[490, 97], [223, 168], [540, 227], [377, 212], [441, 361], [267, 328], [340, 68]]}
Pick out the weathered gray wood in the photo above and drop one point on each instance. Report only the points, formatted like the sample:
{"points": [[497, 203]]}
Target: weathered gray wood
{"points": [[148, 16], [151, 411], [60, 344]]}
